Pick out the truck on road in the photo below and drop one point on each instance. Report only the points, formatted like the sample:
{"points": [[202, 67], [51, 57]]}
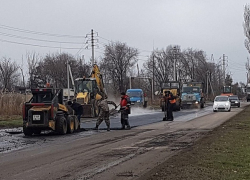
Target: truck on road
{"points": [[174, 88], [227, 91], [137, 97], [192, 95]]}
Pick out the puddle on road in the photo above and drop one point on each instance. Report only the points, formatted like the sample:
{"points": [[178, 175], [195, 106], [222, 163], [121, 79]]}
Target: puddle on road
{"points": [[135, 111]]}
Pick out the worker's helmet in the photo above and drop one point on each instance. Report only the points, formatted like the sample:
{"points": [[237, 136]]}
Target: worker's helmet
{"points": [[167, 92]]}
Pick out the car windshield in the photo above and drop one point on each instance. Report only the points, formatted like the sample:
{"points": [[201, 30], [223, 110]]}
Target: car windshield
{"points": [[221, 98], [191, 89], [134, 94], [83, 86], [233, 98]]}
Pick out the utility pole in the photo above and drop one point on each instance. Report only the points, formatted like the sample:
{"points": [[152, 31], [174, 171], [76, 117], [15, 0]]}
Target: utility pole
{"points": [[153, 79], [224, 70], [175, 50], [207, 83], [68, 78], [92, 45], [248, 70], [175, 63], [130, 82]]}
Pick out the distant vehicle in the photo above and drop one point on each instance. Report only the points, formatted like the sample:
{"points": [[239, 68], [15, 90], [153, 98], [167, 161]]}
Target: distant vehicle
{"points": [[192, 94], [234, 100], [137, 97], [248, 92], [227, 91], [221, 103], [174, 88]]}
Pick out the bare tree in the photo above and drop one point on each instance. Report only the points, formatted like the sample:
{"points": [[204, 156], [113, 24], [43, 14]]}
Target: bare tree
{"points": [[117, 62], [33, 60], [162, 63], [190, 64], [246, 26], [53, 69], [9, 75]]}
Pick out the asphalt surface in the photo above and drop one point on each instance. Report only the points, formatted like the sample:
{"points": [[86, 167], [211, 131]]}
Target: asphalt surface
{"points": [[13, 139], [140, 117], [118, 154]]}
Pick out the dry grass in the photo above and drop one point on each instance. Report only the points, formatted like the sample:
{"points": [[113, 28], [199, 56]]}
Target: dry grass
{"points": [[223, 154], [11, 104]]}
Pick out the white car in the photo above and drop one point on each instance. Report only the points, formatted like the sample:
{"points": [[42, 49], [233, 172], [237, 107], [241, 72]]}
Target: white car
{"points": [[221, 103]]}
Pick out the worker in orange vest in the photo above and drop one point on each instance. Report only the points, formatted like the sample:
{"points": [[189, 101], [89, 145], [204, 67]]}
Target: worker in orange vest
{"points": [[170, 102]]}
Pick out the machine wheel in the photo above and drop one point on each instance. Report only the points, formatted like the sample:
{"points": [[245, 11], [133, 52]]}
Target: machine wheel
{"points": [[76, 123], [214, 110], [61, 125], [70, 125], [37, 131], [27, 131], [229, 110]]}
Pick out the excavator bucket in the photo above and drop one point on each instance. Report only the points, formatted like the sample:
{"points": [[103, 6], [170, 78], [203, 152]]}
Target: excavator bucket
{"points": [[88, 110]]}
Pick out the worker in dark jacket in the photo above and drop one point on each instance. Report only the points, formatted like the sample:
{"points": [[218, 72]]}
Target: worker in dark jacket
{"points": [[170, 101], [125, 110], [77, 108]]}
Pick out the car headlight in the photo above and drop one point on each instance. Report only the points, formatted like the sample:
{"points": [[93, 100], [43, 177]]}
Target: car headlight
{"points": [[227, 104], [236, 102], [215, 104], [138, 101]]}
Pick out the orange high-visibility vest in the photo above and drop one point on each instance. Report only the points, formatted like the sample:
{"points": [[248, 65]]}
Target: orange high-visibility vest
{"points": [[172, 101]]}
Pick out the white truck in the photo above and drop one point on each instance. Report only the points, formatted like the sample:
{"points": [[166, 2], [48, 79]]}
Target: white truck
{"points": [[248, 92]]}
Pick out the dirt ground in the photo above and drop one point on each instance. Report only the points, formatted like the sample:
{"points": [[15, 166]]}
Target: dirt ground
{"points": [[222, 154]]}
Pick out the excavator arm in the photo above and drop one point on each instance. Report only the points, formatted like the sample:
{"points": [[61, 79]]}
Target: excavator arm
{"points": [[99, 80]]}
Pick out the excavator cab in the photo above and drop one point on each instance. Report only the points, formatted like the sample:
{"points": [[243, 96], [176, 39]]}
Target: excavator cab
{"points": [[89, 91], [87, 94]]}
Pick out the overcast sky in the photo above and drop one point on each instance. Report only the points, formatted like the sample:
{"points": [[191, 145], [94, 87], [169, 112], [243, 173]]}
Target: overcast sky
{"points": [[214, 26]]}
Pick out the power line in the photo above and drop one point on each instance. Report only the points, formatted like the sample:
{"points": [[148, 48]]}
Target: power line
{"points": [[27, 38], [104, 38], [28, 44], [37, 32]]}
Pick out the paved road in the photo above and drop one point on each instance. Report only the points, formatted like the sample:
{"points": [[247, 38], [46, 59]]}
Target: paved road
{"points": [[140, 116], [108, 155]]}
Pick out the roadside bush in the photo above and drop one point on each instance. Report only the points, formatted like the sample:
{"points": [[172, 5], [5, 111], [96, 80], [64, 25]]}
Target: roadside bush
{"points": [[11, 103]]}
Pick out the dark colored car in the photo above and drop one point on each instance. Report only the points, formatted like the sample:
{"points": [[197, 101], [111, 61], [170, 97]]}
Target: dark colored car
{"points": [[234, 100]]}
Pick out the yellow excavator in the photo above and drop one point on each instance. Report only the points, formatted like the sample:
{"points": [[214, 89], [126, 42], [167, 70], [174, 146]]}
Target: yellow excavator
{"points": [[89, 91]]}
